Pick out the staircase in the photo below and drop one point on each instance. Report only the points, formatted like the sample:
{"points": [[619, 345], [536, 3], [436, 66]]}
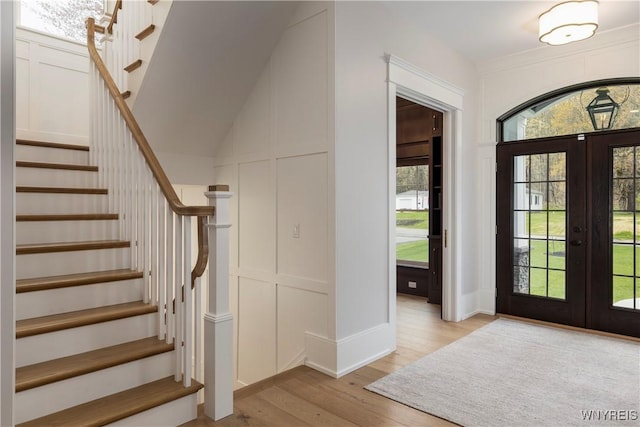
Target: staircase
{"points": [[87, 351]]}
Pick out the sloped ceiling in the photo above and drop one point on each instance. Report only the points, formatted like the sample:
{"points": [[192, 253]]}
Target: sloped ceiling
{"points": [[207, 60]]}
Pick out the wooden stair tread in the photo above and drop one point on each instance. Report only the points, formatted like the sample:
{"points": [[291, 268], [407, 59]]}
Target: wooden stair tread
{"points": [[146, 32], [60, 190], [63, 166], [126, 94], [51, 371], [133, 66], [153, 1], [58, 322], [52, 145], [118, 406], [69, 280], [39, 248], [65, 217]]}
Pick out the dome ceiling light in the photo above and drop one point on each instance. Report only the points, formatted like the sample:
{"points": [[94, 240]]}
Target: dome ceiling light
{"points": [[568, 22]]}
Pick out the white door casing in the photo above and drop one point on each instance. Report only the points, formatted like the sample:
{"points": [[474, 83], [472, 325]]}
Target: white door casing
{"points": [[408, 81]]}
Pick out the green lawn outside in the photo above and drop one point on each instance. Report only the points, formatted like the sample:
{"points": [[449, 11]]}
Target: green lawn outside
{"points": [[413, 251], [622, 265], [412, 219], [622, 224], [539, 262]]}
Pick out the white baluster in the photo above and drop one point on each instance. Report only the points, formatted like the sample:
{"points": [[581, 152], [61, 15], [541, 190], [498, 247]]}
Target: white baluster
{"points": [[146, 215], [188, 304], [162, 278], [153, 249], [140, 202], [197, 320], [134, 204], [170, 266], [179, 326]]}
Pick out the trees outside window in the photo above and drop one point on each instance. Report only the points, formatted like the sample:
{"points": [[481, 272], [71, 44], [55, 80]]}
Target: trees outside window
{"points": [[64, 18]]}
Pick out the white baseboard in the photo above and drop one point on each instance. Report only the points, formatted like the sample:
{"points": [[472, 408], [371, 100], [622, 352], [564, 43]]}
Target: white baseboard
{"points": [[479, 302], [321, 354], [338, 358], [296, 361]]}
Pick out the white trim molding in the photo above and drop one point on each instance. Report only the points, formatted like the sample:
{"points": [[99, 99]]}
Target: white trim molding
{"points": [[409, 81], [337, 358]]}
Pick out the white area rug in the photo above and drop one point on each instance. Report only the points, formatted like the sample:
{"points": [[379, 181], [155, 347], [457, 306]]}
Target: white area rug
{"points": [[512, 373]]}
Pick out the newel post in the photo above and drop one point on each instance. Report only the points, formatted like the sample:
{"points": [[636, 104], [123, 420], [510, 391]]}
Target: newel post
{"points": [[218, 322]]}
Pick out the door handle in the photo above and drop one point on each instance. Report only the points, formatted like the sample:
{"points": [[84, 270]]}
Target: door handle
{"points": [[576, 243]]}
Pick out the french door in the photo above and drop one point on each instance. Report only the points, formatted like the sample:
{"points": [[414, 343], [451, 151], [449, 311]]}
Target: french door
{"points": [[568, 242]]}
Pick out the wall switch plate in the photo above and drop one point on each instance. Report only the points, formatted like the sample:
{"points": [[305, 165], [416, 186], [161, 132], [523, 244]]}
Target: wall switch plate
{"points": [[413, 285]]}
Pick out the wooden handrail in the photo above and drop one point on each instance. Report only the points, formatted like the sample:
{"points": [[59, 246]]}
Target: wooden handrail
{"points": [[164, 183], [114, 16], [203, 255]]}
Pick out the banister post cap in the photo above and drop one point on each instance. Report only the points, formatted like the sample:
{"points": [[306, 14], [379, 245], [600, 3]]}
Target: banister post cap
{"points": [[218, 187]]}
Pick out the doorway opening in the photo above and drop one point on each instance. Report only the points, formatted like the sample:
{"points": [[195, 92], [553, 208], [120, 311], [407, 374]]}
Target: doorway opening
{"points": [[418, 200], [412, 83]]}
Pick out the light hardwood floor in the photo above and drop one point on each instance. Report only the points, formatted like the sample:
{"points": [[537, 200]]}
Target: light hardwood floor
{"points": [[305, 397]]}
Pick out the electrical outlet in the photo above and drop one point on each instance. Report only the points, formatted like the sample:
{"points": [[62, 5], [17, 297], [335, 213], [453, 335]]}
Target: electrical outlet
{"points": [[296, 231], [413, 285]]}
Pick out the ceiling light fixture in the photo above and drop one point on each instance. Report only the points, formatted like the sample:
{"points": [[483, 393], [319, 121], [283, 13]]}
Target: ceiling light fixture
{"points": [[568, 22]]}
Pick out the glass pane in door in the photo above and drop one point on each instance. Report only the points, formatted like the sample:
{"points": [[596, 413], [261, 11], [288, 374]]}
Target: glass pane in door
{"points": [[625, 239], [539, 218]]}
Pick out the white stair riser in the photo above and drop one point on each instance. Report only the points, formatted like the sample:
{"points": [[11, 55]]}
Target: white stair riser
{"points": [[43, 347], [28, 232], [63, 300], [29, 153], [48, 203], [170, 414], [40, 401], [60, 263], [42, 177]]}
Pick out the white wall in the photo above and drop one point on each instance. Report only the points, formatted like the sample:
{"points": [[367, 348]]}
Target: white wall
{"points": [[7, 240], [365, 32], [52, 88], [187, 169], [510, 81], [277, 159]]}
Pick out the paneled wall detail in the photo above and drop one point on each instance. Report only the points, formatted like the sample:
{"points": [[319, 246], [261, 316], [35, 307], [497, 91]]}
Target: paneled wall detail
{"points": [[302, 217], [276, 160], [256, 233], [46, 67]]}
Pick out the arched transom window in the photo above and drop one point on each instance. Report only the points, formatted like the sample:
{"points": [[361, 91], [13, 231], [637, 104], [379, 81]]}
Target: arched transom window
{"points": [[588, 107]]}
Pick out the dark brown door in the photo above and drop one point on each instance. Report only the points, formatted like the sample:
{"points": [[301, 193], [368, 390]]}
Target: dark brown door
{"points": [[614, 295], [541, 230], [568, 242]]}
